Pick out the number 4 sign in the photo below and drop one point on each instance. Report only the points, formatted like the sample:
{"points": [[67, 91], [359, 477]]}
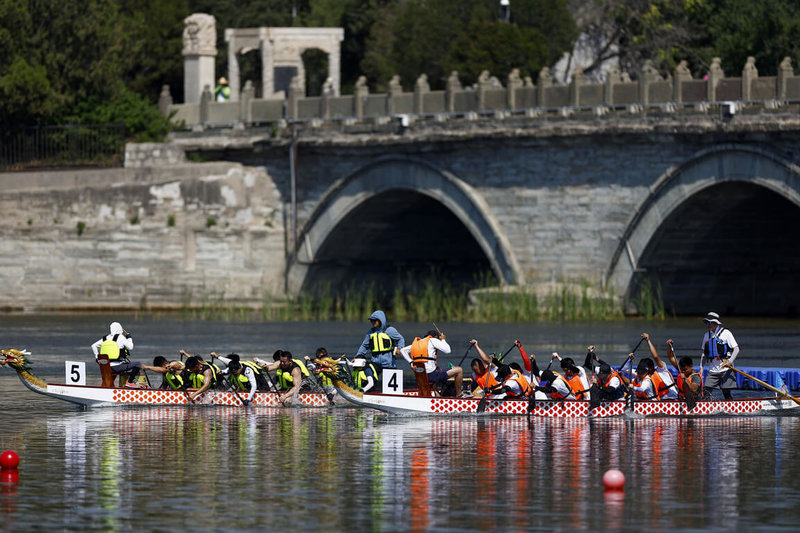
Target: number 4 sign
{"points": [[392, 381], [76, 373]]}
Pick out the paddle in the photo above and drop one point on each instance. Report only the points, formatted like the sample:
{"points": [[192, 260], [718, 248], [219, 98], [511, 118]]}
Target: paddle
{"points": [[765, 385], [465, 355], [686, 390]]}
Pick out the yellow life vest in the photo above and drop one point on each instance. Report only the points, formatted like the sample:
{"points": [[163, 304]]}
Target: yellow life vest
{"points": [[285, 379], [111, 349]]}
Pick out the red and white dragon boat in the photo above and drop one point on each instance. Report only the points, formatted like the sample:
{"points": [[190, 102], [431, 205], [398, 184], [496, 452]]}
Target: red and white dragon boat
{"points": [[412, 403], [97, 396]]}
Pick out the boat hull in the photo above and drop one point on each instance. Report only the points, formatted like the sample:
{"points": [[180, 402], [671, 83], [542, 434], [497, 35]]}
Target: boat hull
{"points": [[408, 404]]}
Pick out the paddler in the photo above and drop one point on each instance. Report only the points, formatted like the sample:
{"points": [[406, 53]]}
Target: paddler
{"points": [[686, 374], [576, 377], [364, 374], [170, 370], [292, 375], [513, 383], [426, 350], [117, 346], [668, 391], [484, 372], [199, 375], [554, 386], [719, 349], [648, 385], [380, 342]]}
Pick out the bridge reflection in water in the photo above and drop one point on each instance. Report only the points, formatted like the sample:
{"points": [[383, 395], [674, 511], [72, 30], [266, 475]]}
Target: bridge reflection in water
{"points": [[346, 469]]}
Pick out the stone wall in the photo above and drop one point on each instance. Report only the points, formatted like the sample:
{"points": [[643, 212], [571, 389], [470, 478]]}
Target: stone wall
{"points": [[189, 234]]}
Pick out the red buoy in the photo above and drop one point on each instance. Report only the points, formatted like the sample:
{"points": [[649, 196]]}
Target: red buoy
{"points": [[9, 460], [614, 479]]}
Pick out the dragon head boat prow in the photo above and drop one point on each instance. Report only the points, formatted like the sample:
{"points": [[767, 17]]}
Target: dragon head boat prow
{"points": [[336, 370], [17, 360]]}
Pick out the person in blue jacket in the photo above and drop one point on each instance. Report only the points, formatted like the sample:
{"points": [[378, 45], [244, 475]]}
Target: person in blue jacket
{"points": [[380, 342]]}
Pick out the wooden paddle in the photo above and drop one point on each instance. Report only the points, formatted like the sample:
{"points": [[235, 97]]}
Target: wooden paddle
{"points": [[765, 385]]}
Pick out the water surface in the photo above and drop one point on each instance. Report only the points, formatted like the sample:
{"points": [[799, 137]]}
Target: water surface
{"points": [[337, 469]]}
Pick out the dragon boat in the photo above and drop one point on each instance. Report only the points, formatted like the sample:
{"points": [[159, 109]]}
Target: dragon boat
{"points": [[98, 396], [416, 403]]}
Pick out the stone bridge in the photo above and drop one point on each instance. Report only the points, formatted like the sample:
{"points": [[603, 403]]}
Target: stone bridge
{"points": [[704, 203]]}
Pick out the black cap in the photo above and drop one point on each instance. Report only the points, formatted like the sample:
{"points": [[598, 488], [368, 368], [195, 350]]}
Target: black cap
{"points": [[605, 369]]}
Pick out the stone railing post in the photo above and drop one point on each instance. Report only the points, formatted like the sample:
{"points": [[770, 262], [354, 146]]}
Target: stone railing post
{"points": [[749, 73], [514, 82], [612, 77], [205, 99], [199, 53], [715, 73], [453, 86], [421, 87], [545, 81], [294, 94], [648, 75], [328, 92], [578, 79], [682, 73], [395, 90], [785, 71], [164, 100], [361, 95], [484, 83], [246, 103]]}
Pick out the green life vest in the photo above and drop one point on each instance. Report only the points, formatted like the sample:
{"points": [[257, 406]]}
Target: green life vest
{"points": [[285, 379]]}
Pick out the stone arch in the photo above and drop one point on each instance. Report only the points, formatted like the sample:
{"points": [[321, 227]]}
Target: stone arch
{"points": [[405, 175], [725, 168]]}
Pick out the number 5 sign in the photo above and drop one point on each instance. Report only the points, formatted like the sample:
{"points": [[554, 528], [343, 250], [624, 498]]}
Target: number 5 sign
{"points": [[392, 381], [76, 373]]}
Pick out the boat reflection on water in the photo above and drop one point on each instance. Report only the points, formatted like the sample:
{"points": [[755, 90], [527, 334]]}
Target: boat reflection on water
{"points": [[350, 469]]}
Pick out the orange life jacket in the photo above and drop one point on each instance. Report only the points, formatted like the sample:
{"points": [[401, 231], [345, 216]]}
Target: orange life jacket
{"points": [[659, 387], [517, 376], [607, 380], [419, 350], [557, 395], [576, 386], [487, 376], [680, 379]]}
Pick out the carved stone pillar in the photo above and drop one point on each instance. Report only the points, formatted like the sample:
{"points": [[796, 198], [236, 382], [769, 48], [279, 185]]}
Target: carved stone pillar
{"points": [[749, 73], [164, 100], [715, 73], [199, 51], [453, 86], [785, 71], [648, 75], [682, 73], [578, 79], [362, 93], [421, 88], [514, 82], [545, 81], [395, 90]]}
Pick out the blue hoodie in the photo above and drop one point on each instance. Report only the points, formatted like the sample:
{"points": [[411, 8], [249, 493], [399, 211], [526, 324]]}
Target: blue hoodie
{"points": [[397, 339]]}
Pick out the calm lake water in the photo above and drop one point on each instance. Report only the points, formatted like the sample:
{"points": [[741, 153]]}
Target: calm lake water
{"points": [[341, 468]]}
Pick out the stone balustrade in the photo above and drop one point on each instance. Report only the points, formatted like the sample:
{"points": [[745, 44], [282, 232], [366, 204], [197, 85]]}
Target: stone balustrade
{"points": [[489, 95]]}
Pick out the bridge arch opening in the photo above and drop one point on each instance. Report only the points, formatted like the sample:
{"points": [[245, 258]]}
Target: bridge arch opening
{"points": [[730, 248], [396, 239], [398, 217]]}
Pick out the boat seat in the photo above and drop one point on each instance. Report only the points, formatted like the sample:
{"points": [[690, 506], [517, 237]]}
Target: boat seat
{"points": [[107, 373]]}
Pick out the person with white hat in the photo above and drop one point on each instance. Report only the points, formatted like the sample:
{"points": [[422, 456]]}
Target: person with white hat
{"points": [[719, 349], [222, 93]]}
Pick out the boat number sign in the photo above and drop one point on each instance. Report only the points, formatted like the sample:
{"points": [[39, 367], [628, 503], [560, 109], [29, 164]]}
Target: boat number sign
{"points": [[392, 381], [75, 373]]}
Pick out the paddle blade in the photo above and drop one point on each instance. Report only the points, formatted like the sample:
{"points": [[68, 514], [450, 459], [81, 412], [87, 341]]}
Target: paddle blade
{"points": [[531, 402], [691, 403], [594, 397], [482, 403]]}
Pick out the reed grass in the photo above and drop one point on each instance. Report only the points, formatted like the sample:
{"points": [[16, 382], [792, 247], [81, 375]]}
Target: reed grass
{"points": [[434, 297]]}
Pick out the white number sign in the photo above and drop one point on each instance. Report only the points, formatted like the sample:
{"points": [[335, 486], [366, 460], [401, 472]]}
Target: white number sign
{"points": [[76, 373], [392, 381]]}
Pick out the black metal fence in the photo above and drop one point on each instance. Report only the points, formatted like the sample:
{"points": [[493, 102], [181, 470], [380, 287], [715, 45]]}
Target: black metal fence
{"points": [[71, 145]]}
